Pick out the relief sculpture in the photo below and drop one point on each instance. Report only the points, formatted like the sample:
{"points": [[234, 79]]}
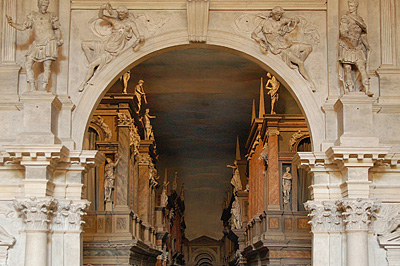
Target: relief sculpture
{"points": [[101, 52], [291, 38]]}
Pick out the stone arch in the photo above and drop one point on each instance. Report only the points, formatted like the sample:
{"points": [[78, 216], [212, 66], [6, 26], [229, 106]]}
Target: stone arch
{"points": [[226, 41], [204, 254]]}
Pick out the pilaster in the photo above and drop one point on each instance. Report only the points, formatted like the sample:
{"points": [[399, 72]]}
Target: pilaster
{"points": [[273, 193], [122, 174], [197, 18], [144, 187]]}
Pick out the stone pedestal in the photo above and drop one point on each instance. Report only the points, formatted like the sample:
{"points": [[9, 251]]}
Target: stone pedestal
{"points": [[355, 120], [41, 111]]}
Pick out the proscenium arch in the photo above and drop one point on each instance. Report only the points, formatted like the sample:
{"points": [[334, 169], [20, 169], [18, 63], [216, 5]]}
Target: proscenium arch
{"points": [[225, 41]]}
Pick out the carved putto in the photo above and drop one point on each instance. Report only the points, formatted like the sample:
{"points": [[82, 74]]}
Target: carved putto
{"points": [[101, 52], [47, 39], [354, 50], [291, 38]]}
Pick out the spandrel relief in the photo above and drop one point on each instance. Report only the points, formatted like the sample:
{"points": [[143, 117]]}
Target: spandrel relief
{"points": [[291, 38], [116, 30]]}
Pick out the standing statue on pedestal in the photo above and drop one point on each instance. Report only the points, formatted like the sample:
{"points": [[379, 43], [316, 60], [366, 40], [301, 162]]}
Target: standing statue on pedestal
{"points": [[139, 93], [354, 49], [147, 125], [47, 38], [235, 181], [286, 185], [109, 178], [125, 79], [236, 213], [272, 91], [275, 30], [99, 53]]}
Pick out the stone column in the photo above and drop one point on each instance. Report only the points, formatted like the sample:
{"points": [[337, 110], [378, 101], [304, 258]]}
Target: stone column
{"points": [[36, 214], [122, 174], [326, 228], [357, 215], [273, 193]]}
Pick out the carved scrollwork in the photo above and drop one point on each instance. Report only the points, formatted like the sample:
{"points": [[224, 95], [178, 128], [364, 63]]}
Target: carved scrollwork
{"points": [[325, 216], [357, 213], [36, 213], [294, 139]]}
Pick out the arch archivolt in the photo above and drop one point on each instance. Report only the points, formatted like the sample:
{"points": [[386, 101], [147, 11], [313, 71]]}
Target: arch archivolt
{"points": [[175, 40]]}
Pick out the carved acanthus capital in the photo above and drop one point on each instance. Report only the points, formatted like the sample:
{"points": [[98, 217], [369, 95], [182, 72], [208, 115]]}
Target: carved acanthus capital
{"points": [[124, 119], [36, 213], [68, 216], [325, 216], [145, 159], [357, 213]]}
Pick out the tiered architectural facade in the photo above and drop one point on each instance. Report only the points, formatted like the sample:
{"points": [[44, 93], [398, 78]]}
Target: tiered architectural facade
{"points": [[339, 59]]}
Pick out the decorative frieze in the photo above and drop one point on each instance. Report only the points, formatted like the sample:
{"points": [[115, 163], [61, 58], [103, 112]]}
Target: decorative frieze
{"points": [[36, 213], [357, 213], [124, 119], [325, 216]]}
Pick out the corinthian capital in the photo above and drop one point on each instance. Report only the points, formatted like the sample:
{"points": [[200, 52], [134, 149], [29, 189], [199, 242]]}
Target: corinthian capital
{"points": [[36, 213], [325, 216], [68, 216], [357, 213]]}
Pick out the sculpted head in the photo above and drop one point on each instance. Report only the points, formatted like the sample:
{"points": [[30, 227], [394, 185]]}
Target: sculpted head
{"points": [[353, 5], [43, 5], [277, 13], [122, 12]]}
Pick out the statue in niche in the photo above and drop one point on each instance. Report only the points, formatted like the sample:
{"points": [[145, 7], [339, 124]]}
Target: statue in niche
{"points": [[235, 181], [272, 90], [139, 93], [125, 79], [279, 37], [286, 185], [101, 52], [147, 125], [153, 176], [164, 196], [236, 214], [47, 39], [109, 177], [354, 49]]}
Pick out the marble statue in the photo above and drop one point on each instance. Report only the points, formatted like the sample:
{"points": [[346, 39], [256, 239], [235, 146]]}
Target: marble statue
{"points": [[275, 30], [286, 185], [139, 93], [235, 181], [236, 214], [147, 125], [125, 79], [153, 176], [272, 90], [164, 196], [109, 178], [354, 49], [101, 52], [47, 39]]}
